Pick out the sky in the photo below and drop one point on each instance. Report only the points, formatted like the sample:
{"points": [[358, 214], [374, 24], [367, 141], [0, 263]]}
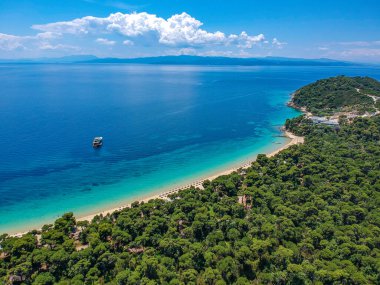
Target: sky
{"points": [[345, 30]]}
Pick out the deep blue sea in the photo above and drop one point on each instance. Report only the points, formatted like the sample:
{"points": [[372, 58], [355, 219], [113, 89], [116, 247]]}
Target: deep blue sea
{"points": [[163, 126]]}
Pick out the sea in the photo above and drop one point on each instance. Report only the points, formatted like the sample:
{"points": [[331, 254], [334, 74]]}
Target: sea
{"points": [[163, 127]]}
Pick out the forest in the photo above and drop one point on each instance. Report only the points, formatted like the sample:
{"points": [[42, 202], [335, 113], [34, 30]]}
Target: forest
{"points": [[338, 94]]}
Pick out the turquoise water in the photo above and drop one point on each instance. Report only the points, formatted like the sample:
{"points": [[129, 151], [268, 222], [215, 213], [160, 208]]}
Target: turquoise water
{"points": [[163, 126]]}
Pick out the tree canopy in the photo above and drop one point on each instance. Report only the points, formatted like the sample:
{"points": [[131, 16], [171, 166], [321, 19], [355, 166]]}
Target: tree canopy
{"points": [[336, 94]]}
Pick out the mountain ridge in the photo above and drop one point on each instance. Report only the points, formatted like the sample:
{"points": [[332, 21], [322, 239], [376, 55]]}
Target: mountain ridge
{"points": [[189, 60]]}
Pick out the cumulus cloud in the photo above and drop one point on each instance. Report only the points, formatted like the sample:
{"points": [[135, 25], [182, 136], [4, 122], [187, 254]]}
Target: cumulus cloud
{"points": [[178, 30], [104, 41], [143, 34], [244, 40]]}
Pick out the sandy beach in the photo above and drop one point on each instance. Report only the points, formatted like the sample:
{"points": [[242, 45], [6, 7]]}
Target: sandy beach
{"points": [[198, 183], [293, 140]]}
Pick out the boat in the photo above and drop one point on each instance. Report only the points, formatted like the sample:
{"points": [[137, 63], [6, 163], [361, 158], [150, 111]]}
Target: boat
{"points": [[97, 142]]}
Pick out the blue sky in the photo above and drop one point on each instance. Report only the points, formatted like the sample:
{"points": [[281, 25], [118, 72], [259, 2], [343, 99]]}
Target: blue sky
{"points": [[347, 30]]}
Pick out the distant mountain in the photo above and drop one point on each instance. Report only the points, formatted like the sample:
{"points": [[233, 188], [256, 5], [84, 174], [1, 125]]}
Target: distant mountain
{"points": [[200, 60], [64, 59], [190, 60], [71, 59]]}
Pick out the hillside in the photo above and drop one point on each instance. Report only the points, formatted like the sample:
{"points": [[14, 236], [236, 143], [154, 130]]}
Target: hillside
{"points": [[309, 215], [215, 60], [339, 94]]}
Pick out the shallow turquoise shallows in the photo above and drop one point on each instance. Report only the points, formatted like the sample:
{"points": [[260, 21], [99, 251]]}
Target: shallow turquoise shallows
{"points": [[163, 126]]}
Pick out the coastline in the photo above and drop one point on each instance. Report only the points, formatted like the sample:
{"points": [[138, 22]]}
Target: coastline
{"points": [[293, 140]]}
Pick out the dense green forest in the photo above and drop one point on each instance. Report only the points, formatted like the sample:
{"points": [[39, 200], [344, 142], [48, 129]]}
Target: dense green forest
{"points": [[335, 94], [309, 215]]}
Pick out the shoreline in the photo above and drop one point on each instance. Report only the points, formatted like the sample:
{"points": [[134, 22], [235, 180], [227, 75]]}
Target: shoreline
{"points": [[293, 140]]}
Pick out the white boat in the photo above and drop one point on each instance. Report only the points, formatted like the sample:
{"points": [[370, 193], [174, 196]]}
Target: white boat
{"points": [[97, 142]]}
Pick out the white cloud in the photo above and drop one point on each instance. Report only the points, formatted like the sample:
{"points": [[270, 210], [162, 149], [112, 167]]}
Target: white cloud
{"points": [[360, 43], [185, 30], [366, 51], [48, 46], [178, 30], [145, 34], [226, 53], [47, 36], [11, 42], [361, 52], [128, 43], [277, 43], [185, 51], [356, 43], [211, 53], [106, 42], [246, 41]]}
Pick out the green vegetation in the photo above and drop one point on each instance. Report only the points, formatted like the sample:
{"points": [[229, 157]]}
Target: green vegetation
{"points": [[309, 215], [338, 94]]}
